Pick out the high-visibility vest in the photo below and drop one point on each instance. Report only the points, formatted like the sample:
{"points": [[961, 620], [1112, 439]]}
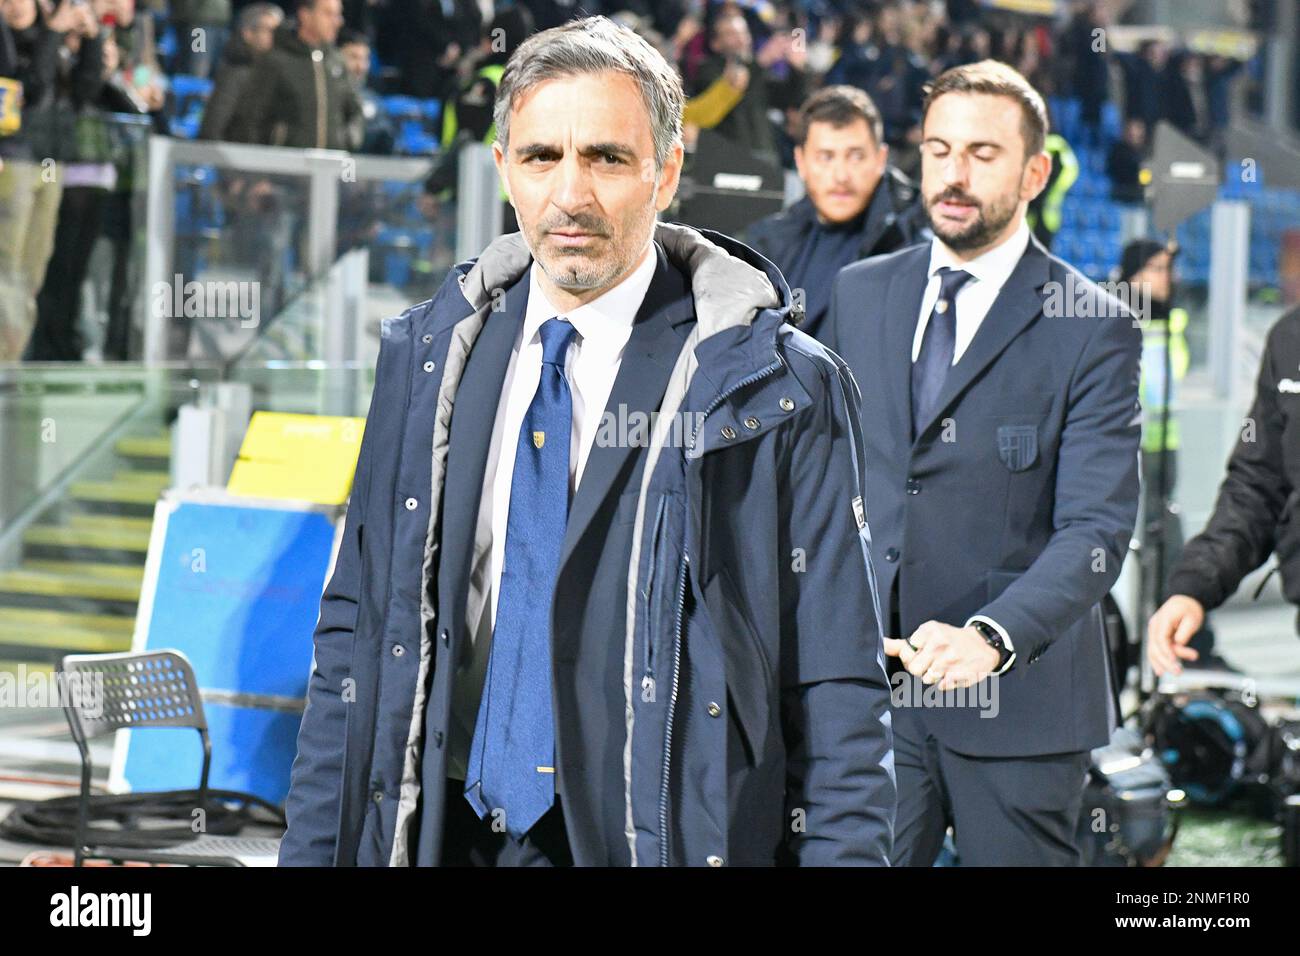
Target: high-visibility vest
{"points": [[450, 124], [1054, 196], [1158, 335]]}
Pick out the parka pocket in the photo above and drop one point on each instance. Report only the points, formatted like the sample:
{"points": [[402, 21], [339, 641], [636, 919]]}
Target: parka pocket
{"points": [[750, 685], [659, 576]]}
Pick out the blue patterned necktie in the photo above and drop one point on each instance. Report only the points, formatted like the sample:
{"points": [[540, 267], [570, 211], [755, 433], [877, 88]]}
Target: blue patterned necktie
{"points": [[512, 755], [938, 344]]}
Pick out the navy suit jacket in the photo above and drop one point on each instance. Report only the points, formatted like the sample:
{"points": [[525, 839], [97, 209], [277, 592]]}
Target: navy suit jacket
{"points": [[1016, 500]]}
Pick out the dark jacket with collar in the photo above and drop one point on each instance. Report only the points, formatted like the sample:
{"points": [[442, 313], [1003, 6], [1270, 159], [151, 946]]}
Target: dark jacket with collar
{"points": [[298, 95], [221, 113], [1016, 500], [719, 689], [895, 218], [1255, 513]]}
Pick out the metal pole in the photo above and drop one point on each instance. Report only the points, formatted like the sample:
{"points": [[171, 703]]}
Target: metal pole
{"points": [[1229, 278], [479, 215], [160, 244]]}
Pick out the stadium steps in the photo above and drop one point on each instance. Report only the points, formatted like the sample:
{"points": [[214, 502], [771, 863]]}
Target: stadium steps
{"points": [[77, 583]]}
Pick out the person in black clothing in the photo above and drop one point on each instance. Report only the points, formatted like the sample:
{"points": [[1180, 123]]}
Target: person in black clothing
{"points": [[1255, 513], [1144, 84], [298, 93], [1181, 74], [426, 41], [1084, 60], [89, 179], [1124, 163], [856, 206], [254, 35], [772, 78]]}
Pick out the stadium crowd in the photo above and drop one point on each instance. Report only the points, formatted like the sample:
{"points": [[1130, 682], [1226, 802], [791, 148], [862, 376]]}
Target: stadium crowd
{"points": [[317, 75]]}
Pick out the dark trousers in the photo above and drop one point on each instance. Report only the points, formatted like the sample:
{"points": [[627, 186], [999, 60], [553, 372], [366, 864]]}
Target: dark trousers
{"points": [[57, 336], [469, 841], [1004, 811]]}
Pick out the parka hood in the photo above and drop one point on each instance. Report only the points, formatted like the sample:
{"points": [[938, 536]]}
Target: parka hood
{"points": [[730, 282]]}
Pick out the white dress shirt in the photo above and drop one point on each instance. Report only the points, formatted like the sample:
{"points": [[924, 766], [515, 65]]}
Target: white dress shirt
{"points": [[989, 273], [594, 357]]}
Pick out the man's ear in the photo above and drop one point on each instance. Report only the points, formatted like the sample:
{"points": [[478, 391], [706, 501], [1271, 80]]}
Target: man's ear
{"points": [[670, 178], [1037, 172], [499, 158]]}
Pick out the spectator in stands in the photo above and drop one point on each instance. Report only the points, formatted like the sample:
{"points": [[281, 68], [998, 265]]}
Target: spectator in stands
{"points": [[1086, 74], [298, 93], [1124, 163], [254, 35], [856, 64], [898, 88], [856, 206], [137, 76], [29, 189], [49, 121], [1144, 73], [775, 77], [371, 127], [1219, 73], [89, 181], [202, 27], [429, 38], [1180, 82]]}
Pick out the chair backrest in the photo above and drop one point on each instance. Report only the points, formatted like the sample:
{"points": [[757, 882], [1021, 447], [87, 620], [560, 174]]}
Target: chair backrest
{"points": [[144, 689]]}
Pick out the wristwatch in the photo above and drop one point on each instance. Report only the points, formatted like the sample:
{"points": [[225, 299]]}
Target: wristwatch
{"points": [[994, 640]]}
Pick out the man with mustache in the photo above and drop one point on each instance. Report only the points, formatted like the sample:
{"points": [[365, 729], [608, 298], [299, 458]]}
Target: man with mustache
{"points": [[553, 637], [1000, 409]]}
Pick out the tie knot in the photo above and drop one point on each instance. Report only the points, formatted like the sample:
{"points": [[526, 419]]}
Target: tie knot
{"points": [[556, 335], [951, 280]]}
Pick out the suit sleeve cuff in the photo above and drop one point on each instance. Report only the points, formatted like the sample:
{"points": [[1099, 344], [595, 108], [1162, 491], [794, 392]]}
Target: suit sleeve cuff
{"points": [[1006, 640]]}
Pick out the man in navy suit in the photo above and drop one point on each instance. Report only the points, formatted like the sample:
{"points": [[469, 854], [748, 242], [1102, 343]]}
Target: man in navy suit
{"points": [[1001, 421]]}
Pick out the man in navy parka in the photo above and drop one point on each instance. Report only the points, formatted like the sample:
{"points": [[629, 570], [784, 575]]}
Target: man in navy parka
{"points": [[694, 654]]}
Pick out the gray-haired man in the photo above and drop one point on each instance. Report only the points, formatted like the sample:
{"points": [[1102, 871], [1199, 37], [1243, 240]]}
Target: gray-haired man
{"points": [[631, 619]]}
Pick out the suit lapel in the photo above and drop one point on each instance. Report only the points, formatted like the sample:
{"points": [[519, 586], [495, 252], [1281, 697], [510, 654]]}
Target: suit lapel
{"points": [[906, 285], [648, 361], [1018, 303], [471, 434]]}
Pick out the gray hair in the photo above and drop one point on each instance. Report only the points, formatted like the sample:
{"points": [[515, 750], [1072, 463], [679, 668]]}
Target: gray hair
{"points": [[595, 45], [249, 16]]}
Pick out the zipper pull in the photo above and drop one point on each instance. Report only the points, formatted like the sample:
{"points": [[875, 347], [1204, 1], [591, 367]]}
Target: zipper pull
{"points": [[647, 689]]}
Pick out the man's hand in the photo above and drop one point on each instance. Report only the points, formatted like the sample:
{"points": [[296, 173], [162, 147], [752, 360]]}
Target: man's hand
{"points": [[449, 55], [949, 656], [737, 75], [1169, 630]]}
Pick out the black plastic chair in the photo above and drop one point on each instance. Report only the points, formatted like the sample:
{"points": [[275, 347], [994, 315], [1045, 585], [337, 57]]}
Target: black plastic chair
{"points": [[144, 690]]}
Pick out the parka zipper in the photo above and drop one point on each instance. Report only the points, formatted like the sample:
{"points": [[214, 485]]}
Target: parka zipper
{"points": [[648, 675], [678, 621], [672, 708]]}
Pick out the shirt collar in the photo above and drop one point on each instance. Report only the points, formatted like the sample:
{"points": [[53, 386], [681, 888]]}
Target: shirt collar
{"points": [[993, 267], [606, 321]]}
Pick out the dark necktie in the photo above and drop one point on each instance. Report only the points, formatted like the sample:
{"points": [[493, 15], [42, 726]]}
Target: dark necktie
{"points": [[512, 754], [937, 347]]}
